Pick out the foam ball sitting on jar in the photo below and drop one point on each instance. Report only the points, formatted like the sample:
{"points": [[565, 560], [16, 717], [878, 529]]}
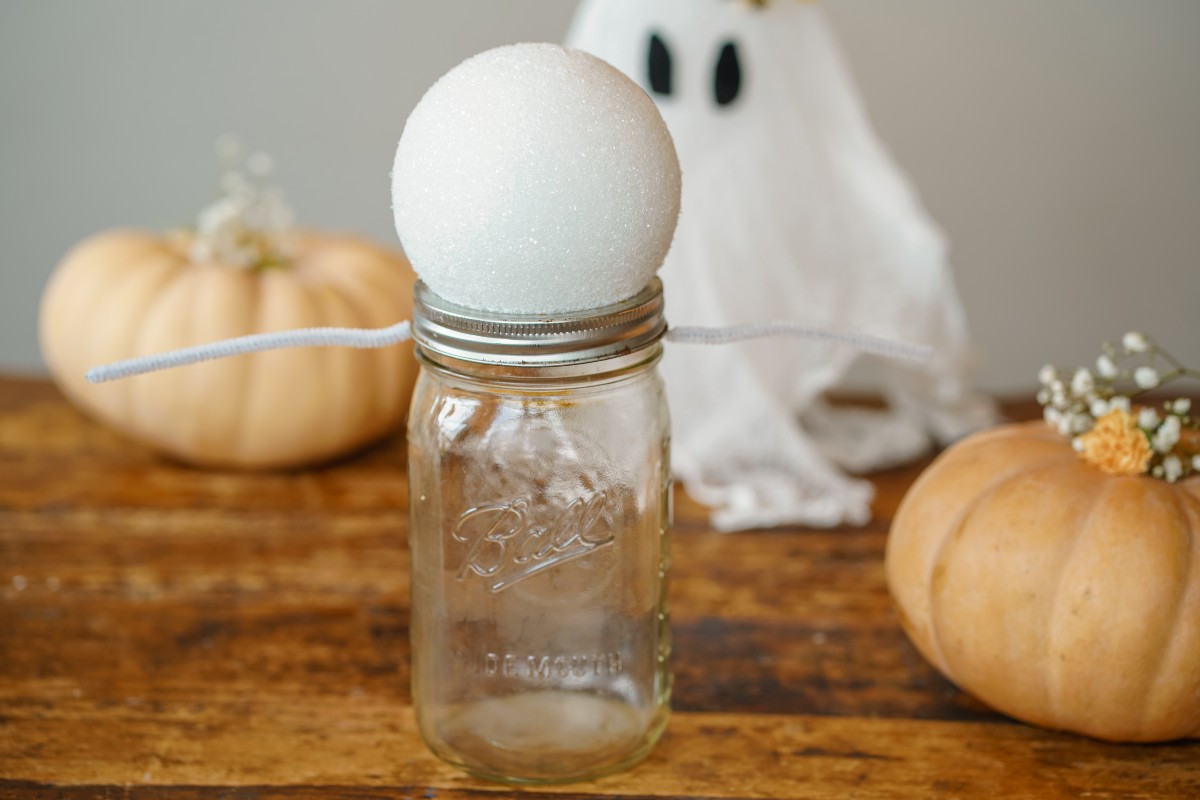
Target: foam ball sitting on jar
{"points": [[535, 179]]}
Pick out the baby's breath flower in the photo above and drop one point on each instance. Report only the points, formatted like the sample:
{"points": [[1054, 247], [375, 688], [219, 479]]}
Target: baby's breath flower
{"points": [[1167, 435], [1135, 342], [1082, 382], [1173, 424], [1146, 377], [1172, 468], [1106, 367], [1043, 397], [1148, 419], [228, 147], [259, 164], [1099, 408], [1121, 402], [235, 185], [1078, 444], [1182, 406], [1157, 471], [247, 226], [1047, 375]]}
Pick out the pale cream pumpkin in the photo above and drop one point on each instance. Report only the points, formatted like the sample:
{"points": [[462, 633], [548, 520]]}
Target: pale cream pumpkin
{"points": [[128, 293], [1053, 592]]}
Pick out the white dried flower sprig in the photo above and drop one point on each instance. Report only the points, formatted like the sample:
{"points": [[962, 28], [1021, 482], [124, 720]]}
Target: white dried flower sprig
{"points": [[247, 226], [1073, 401]]}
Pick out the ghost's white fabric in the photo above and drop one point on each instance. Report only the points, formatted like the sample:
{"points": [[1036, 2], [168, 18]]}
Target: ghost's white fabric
{"points": [[792, 210]]}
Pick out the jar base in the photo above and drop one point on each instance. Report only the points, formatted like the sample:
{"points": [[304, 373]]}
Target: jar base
{"points": [[546, 736]]}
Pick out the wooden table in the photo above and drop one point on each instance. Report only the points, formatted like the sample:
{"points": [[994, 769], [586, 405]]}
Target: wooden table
{"points": [[172, 633]]}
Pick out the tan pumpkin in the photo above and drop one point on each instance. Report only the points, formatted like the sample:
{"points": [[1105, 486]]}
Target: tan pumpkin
{"points": [[1053, 592], [127, 293]]}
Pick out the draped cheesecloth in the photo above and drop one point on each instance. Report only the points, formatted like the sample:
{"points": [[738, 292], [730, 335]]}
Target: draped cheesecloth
{"points": [[792, 210]]}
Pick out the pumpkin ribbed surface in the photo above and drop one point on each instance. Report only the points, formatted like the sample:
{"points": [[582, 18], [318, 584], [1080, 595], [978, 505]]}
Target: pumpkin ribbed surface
{"points": [[127, 293], [1054, 592]]}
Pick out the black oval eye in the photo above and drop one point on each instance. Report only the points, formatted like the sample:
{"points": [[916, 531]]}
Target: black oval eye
{"points": [[727, 82], [659, 65]]}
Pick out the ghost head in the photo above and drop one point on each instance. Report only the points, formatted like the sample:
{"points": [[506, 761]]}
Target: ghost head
{"points": [[792, 210]]}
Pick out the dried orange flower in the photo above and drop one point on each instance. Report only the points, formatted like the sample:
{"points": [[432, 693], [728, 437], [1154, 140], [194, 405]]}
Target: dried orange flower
{"points": [[1117, 445]]}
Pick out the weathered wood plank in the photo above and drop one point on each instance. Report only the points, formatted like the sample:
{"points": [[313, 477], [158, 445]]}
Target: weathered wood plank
{"points": [[155, 650], [798, 624], [363, 741], [772, 668], [174, 633], [826, 578]]}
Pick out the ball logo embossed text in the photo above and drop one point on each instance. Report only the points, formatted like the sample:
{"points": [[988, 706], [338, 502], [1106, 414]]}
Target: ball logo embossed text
{"points": [[509, 542]]}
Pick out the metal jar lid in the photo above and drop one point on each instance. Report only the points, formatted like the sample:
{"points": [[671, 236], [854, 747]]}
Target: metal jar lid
{"points": [[520, 340]]}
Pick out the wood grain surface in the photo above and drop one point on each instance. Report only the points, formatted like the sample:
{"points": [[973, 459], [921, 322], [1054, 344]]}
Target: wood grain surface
{"points": [[172, 633]]}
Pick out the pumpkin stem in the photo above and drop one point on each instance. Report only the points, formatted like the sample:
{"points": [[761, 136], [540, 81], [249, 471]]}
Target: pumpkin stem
{"points": [[247, 226]]}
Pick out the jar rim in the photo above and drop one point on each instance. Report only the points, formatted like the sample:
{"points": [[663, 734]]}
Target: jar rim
{"points": [[530, 340]]}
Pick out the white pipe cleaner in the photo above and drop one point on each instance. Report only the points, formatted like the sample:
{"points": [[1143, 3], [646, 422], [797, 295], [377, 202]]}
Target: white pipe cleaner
{"points": [[372, 338]]}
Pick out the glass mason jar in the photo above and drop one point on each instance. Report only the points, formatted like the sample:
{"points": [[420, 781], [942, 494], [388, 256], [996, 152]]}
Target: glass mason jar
{"points": [[540, 508]]}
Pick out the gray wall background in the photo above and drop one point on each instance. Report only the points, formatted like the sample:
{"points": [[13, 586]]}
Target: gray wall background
{"points": [[1058, 143]]}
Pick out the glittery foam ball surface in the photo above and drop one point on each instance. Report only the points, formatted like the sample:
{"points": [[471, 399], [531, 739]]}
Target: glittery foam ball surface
{"points": [[535, 179]]}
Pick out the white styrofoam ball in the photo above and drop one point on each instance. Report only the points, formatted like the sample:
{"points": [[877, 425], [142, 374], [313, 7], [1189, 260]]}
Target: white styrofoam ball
{"points": [[535, 179]]}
